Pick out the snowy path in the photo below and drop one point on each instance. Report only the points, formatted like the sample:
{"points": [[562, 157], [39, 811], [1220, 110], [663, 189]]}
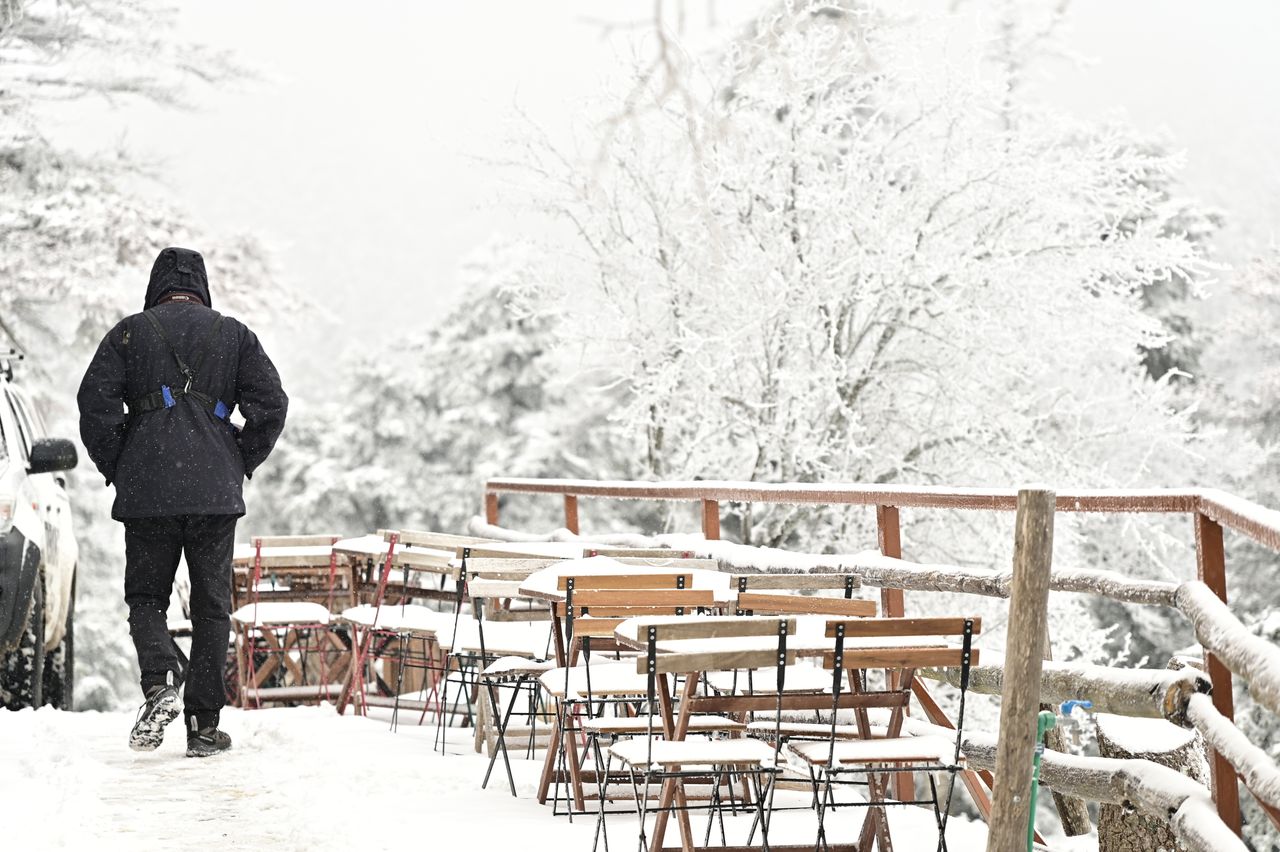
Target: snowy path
{"points": [[297, 779]]}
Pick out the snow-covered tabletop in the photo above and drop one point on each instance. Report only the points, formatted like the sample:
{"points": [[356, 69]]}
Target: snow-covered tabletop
{"points": [[544, 584], [361, 546]]}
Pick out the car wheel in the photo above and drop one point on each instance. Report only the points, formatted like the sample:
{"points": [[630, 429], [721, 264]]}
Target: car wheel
{"points": [[59, 665], [22, 673]]}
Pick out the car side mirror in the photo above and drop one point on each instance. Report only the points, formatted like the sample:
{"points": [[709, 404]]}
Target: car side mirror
{"points": [[52, 454]]}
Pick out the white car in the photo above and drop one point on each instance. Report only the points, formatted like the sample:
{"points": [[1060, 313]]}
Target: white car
{"points": [[38, 554]]}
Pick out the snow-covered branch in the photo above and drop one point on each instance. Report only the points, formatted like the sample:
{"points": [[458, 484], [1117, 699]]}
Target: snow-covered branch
{"points": [[1221, 633]]}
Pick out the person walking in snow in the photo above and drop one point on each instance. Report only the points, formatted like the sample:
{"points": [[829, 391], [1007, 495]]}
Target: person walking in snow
{"points": [[179, 466]]}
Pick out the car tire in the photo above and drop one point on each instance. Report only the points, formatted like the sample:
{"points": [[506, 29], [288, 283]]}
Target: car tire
{"points": [[59, 664], [22, 671]]}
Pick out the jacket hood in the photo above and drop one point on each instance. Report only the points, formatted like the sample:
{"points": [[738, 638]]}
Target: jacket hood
{"points": [[178, 270]]}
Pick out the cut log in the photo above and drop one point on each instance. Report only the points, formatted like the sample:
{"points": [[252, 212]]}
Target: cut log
{"points": [[1122, 829], [1148, 693]]}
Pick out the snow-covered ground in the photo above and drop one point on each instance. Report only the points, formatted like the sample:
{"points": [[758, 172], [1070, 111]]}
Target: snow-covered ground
{"points": [[308, 779]]}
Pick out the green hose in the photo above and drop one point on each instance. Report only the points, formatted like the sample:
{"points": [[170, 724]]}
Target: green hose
{"points": [[1045, 721]]}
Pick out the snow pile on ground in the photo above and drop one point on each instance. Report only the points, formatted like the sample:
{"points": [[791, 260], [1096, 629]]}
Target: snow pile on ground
{"points": [[308, 779]]}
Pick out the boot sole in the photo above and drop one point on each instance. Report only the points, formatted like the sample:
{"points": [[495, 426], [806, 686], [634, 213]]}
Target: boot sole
{"points": [[148, 733]]}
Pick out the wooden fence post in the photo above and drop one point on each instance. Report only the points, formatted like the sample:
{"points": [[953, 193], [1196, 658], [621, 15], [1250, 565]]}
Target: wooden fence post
{"points": [[1211, 568], [1020, 699], [491, 508], [711, 519], [571, 513], [893, 605]]}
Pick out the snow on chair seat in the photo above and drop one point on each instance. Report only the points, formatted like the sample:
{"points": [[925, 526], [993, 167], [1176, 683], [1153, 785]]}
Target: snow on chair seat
{"points": [[508, 667], [281, 612], [406, 618], [890, 750], [642, 752], [608, 678]]}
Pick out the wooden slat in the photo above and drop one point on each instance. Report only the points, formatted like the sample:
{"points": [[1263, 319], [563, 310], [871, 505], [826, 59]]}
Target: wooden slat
{"points": [[595, 627], [640, 553], [713, 661], [794, 582], [678, 564], [900, 658], [442, 541], [672, 610], [867, 627], [587, 582], [688, 598], [425, 561], [507, 551], [721, 628], [293, 540], [489, 565], [811, 604]]}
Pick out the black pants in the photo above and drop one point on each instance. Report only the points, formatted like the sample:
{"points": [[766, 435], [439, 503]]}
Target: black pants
{"points": [[153, 547]]}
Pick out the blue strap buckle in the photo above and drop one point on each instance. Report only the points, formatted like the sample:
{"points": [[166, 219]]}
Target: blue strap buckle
{"points": [[221, 411], [167, 396]]}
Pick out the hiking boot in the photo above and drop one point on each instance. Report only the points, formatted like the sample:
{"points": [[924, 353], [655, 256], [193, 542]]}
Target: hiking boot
{"points": [[205, 741], [162, 707]]}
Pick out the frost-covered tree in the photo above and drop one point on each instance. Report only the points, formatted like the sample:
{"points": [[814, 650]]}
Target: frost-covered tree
{"points": [[433, 409], [855, 271]]}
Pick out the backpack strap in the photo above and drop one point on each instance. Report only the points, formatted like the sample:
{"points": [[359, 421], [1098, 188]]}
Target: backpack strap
{"points": [[164, 398]]}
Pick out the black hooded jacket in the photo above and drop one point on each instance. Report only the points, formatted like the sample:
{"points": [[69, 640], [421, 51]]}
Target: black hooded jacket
{"points": [[181, 460]]}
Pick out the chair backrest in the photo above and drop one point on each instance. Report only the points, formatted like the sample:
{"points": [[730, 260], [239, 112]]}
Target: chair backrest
{"points": [[796, 582], [435, 540], [640, 580], [659, 553], [929, 646], [757, 603]]}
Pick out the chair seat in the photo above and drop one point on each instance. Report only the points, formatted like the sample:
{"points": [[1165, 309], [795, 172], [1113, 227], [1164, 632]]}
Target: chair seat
{"points": [[641, 752], [412, 618], [607, 678], [282, 613], [508, 668], [900, 750], [501, 638], [702, 723]]}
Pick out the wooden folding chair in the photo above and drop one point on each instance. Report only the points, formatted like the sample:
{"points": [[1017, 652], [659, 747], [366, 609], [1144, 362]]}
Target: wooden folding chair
{"points": [[671, 758], [904, 644], [594, 605]]}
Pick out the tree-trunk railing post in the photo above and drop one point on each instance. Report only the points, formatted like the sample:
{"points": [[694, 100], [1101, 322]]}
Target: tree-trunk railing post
{"points": [[893, 605], [571, 513], [1211, 568], [1020, 697], [491, 507], [711, 519]]}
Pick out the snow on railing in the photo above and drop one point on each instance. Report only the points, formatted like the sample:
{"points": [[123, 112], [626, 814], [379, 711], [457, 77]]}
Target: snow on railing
{"points": [[1153, 789]]}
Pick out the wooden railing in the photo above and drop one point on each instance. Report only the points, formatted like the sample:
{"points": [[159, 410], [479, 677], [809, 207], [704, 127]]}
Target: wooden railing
{"points": [[1211, 511]]}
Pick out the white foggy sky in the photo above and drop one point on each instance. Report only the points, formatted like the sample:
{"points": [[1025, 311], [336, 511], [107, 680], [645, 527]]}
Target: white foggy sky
{"points": [[359, 158]]}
